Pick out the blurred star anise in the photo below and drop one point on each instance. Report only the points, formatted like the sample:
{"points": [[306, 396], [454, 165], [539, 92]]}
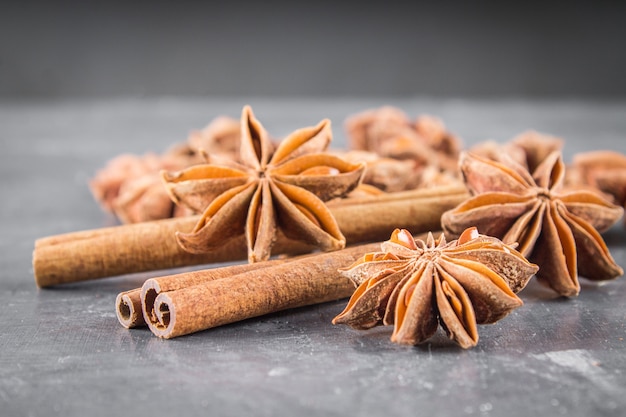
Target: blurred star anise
{"points": [[130, 186], [603, 170], [389, 132], [556, 229], [416, 285], [272, 189]]}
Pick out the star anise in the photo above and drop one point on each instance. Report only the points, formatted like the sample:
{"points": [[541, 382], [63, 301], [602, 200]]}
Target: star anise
{"points": [[603, 170], [537, 146], [273, 189], [386, 174], [389, 132], [556, 229], [130, 186], [528, 148], [416, 285], [221, 137]]}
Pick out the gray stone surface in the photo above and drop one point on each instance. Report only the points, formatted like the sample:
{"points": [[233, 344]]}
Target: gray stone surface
{"points": [[62, 351]]}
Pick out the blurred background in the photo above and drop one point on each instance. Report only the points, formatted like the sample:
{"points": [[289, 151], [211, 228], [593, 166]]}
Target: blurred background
{"points": [[318, 48]]}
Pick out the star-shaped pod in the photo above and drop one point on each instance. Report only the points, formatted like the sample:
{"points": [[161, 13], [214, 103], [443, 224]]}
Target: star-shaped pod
{"points": [[602, 170], [559, 231], [274, 188], [416, 285]]}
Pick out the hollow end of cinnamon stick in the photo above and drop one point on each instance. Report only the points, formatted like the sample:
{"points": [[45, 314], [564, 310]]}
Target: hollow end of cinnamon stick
{"points": [[164, 318], [128, 309], [157, 317], [309, 280]]}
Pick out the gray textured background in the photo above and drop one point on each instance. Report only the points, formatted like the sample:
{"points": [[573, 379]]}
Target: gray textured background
{"points": [[320, 48]]}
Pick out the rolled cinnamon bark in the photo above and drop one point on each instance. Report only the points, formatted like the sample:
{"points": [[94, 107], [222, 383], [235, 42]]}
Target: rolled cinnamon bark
{"points": [[128, 303], [151, 246], [297, 283], [128, 308]]}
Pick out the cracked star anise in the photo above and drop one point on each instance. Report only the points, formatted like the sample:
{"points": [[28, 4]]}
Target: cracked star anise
{"points": [[273, 188], [556, 229], [417, 285]]}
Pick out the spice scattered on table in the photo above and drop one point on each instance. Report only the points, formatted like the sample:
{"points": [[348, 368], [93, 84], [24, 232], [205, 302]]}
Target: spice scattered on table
{"points": [[259, 197], [417, 285]]}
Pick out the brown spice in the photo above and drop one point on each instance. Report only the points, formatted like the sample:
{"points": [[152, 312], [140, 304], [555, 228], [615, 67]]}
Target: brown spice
{"points": [[537, 146], [387, 174], [528, 149], [389, 132], [490, 149], [415, 285], [128, 305], [128, 308], [605, 171], [130, 186], [150, 246], [310, 280], [221, 137], [282, 188], [559, 231]]}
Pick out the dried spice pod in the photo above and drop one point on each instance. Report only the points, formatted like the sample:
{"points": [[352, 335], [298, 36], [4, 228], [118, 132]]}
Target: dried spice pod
{"points": [[367, 129], [273, 188], [537, 146], [556, 229], [528, 149], [106, 184], [220, 137], [437, 136], [387, 174], [604, 171], [131, 187], [415, 285], [143, 199], [491, 149], [390, 133]]}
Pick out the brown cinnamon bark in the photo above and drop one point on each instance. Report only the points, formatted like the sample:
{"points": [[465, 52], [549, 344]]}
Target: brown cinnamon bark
{"points": [[128, 308], [309, 280], [128, 303], [152, 245]]}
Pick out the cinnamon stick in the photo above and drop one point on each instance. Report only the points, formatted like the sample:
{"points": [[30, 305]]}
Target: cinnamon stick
{"points": [[128, 303], [152, 245], [128, 308], [305, 281]]}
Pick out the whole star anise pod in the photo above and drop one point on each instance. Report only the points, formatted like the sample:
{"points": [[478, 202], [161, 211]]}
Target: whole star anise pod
{"points": [[559, 231], [273, 189], [417, 285]]}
